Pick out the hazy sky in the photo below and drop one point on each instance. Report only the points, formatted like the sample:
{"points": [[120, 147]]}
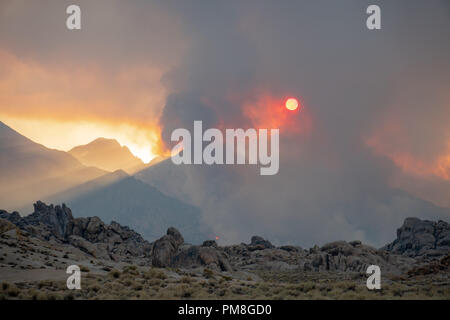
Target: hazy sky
{"points": [[376, 103]]}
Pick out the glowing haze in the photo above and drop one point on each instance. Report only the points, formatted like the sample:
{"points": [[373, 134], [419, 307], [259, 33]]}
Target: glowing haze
{"points": [[63, 89], [375, 108]]}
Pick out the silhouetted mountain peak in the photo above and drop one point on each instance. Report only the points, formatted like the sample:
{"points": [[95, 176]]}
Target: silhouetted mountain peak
{"points": [[107, 154], [30, 170]]}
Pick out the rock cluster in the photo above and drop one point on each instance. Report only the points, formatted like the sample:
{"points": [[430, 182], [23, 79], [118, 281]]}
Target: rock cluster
{"points": [[336, 256], [421, 239], [90, 235], [418, 243], [169, 251]]}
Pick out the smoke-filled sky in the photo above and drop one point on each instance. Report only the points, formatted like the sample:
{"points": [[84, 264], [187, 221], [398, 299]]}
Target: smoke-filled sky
{"points": [[376, 104]]}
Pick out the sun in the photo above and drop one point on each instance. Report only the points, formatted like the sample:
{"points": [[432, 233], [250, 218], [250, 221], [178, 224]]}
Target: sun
{"points": [[291, 104]]}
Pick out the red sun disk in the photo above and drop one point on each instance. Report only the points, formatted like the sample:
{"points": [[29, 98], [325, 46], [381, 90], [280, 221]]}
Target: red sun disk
{"points": [[292, 104]]}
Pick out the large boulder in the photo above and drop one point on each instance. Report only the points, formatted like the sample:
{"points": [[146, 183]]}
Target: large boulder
{"points": [[92, 229], [210, 243], [165, 248], [176, 236], [259, 243], [56, 218], [13, 217], [207, 256], [97, 250], [421, 238]]}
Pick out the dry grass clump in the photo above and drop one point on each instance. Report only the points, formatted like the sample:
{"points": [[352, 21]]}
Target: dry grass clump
{"points": [[155, 273], [155, 283], [114, 273]]}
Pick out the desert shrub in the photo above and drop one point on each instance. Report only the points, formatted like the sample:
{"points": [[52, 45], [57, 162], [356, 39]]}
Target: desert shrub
{"points": [[84, 269], [186, 279], [131, 270], [5, 285], [128, 282], [69, 296], [207, 273], [12, 291], [45, 283], [114, 273], [95, 288], [183, 291], [137, 287], [154, 273], [154, 282], [227, 278]]}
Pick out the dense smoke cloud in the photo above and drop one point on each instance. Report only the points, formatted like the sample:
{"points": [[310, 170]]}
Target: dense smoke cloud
{"points": [[333, 183], [371, 100]]}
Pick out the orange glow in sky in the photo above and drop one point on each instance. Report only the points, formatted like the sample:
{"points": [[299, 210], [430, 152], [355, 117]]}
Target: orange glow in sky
{"points": [[143, 142], [266, 111]]}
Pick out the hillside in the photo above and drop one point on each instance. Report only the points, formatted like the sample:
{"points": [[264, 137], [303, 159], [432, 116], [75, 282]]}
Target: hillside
{"points": [[107, 154], [116, 262], [124, 199], [31, 171]]}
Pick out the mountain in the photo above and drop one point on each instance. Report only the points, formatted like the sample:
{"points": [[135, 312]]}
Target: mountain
{"points": [[30, 171], [236, 201], [171, 179], [122, 198], [107, 154]]}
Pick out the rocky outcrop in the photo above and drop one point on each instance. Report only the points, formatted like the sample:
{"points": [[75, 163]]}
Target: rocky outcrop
{"points": [[170, 252], [354, 256], [259, 243], [418, 244], [165, 249], [210, 243], [206, 256], [90, 235], [434, 267], [338, 256], [421, 239], [45, 222], [13, 217]]}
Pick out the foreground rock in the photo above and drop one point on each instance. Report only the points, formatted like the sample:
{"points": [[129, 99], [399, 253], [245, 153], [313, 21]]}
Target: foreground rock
{"points": [[339, 256], [166, 248], [90, 235], [260, 254], [170, 252], [418, 244]]}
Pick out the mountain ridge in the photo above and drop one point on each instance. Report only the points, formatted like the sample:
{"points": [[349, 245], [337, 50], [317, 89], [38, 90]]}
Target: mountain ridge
{"points": [[107, 154], [121, 197], [31, 170]]}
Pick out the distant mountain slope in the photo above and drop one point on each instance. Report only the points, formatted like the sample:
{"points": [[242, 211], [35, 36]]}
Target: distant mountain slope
{"points": [[131, 202], [87, 187], [227, 202], [171, 179], [107, 154], [30, 171]]}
